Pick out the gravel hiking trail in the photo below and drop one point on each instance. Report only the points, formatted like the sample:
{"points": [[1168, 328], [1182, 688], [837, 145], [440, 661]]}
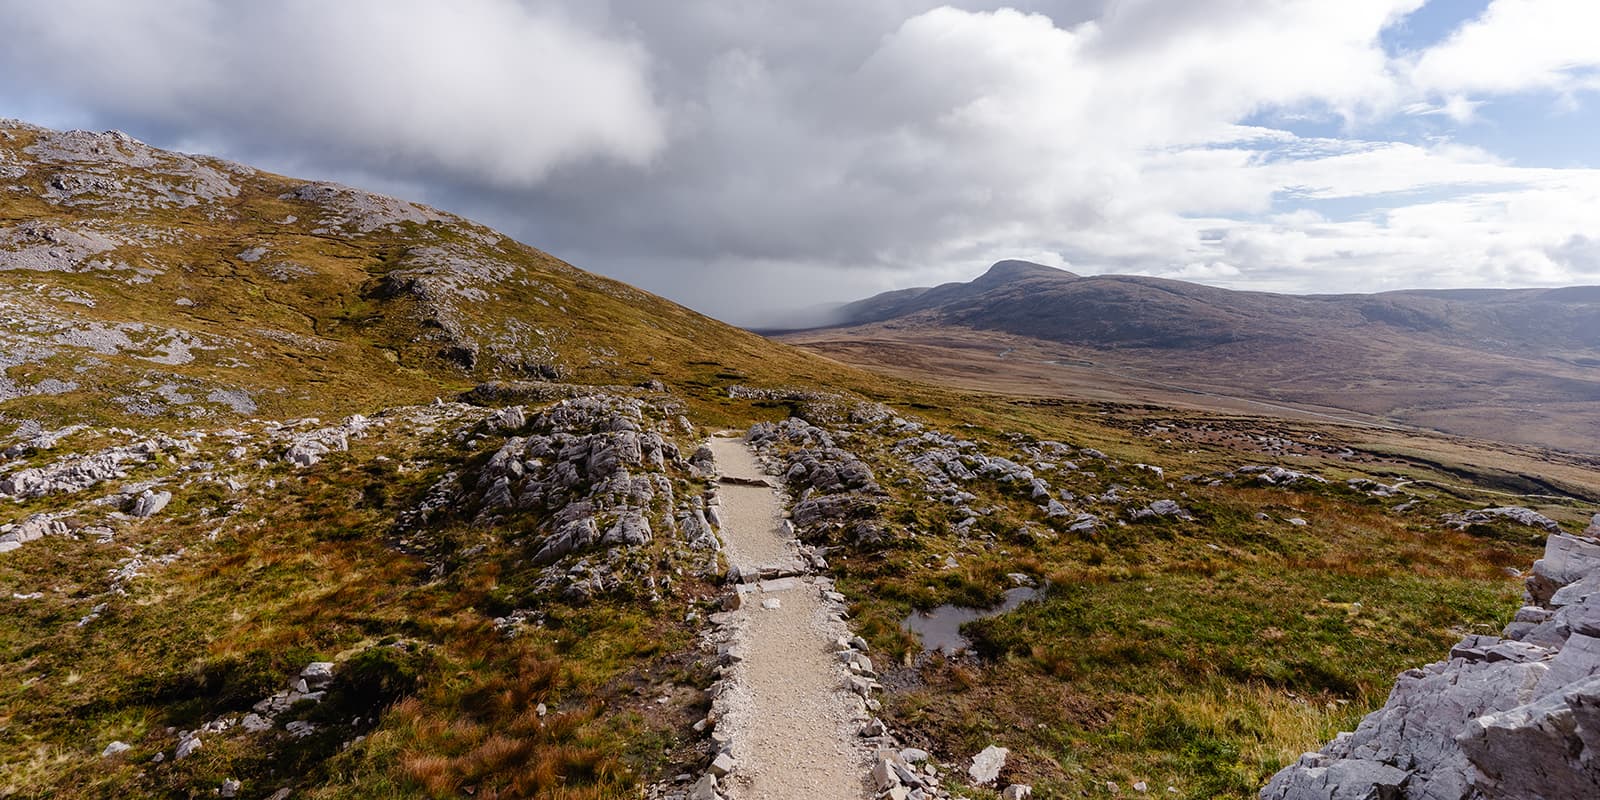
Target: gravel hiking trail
{"points": [[793, 722]]}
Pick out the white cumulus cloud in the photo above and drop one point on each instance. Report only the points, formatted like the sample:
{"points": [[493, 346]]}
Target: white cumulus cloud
{"points": [[492, 90], [745, 156], [1517, 45]]}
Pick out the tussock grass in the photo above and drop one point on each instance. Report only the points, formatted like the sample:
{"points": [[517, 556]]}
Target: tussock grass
{"points": [[307, 572], [1203, 655]]}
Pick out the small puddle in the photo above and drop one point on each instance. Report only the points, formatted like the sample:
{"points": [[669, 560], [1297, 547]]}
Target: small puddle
{"points": [[940, 629]]}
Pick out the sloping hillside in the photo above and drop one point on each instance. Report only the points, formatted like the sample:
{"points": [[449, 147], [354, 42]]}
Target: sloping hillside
{"points": [[137, 283]]}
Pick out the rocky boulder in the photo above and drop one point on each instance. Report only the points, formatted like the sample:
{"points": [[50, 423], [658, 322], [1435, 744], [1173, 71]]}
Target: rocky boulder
{"points": [[14, 535], [1162, 508], [830, 469], [73, 473], [986, 765], [149, 503], [307, 449], [837, 492], [1280, 476], [590, 478], [1517, 514]]}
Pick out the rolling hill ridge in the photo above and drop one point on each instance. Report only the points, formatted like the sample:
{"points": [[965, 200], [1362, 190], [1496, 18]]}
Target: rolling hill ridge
{"points": [[1515, 365]]}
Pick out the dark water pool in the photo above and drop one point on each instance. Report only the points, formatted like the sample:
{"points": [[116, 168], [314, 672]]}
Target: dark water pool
{"points": [[940, 629]]}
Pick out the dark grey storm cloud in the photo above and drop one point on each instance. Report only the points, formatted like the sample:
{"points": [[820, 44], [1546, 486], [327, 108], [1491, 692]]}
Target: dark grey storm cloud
{"points": [[747, 156]]}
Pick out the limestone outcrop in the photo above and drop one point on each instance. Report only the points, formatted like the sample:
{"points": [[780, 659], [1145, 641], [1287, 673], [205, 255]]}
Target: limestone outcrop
{"points": [[1510, 716]]}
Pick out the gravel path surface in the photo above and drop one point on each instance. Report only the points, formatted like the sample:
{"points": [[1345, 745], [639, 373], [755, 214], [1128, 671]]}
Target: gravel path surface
{"points": [[751, 515], [792, 721]]}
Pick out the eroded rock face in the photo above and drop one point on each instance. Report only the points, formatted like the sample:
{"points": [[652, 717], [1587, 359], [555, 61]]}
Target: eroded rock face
{"points": [[837, 494], [116, 172], [353, 212], [41, 247], [598, 472], [1515, 716], [596, 449], [74, 473], [1517, 514]]}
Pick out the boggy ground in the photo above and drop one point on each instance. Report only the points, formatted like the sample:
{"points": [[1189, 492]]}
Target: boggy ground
{"points": [[1539, 402], [1198, 653], [1201, 651]]}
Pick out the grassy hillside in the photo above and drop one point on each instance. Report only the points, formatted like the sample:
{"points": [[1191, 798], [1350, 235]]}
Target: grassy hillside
{"points": [[155, 275], [1200, 653]]}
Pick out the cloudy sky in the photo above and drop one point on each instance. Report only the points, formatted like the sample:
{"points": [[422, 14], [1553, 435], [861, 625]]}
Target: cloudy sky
{"points": [[747, 156]]}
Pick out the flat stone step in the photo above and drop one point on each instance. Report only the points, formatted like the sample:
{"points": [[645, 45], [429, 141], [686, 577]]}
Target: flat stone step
{"points": [[734, 480], [779, 585], [772, 586], [754, 574]]}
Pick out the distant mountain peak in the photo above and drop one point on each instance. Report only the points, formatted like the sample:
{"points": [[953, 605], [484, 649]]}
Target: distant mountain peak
{"points": [[1014, 269]]}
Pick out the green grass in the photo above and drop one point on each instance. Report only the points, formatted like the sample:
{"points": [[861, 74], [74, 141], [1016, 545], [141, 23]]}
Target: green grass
{"points": [[304, 572], [1201, 654]]}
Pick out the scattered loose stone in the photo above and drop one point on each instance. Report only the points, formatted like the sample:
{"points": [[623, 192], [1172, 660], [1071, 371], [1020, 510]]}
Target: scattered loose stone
{"points": [[318, 674], [986, 765], [1517, 514], [149, 503], [705, 788]]}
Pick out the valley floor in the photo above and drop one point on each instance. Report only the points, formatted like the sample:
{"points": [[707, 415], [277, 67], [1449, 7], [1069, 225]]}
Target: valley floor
{"points": [[1541, 404]]}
